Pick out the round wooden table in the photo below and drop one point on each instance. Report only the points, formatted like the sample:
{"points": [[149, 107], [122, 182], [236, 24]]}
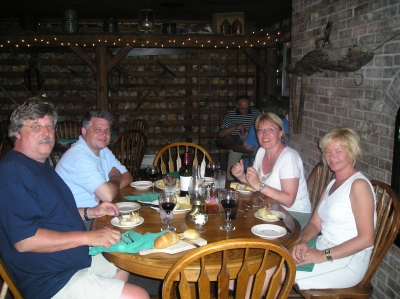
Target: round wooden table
{"points": [[156, 265]]}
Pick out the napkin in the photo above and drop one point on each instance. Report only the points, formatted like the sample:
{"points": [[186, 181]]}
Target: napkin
{"points": [[145, 241], [174, 174], [147, 197], [308, 267], [66, 140]]}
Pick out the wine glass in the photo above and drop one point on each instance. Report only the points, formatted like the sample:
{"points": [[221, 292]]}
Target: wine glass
{"points": [[242, 135], [229, 202], [152, 172], [167, 204], [200, 219], [212, 167]]}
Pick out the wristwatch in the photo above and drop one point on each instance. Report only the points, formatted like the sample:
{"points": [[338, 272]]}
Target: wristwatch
{"points": [[85, 214], [261, 187], [328, 255]]}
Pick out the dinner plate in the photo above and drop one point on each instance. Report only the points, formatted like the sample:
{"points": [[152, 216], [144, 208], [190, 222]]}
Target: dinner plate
{"points": [[127, 207], [141, 185], [245, 191], [268, 231], [156, 184], [115, 222], [280, 214], [208, 180], [178, 211]]}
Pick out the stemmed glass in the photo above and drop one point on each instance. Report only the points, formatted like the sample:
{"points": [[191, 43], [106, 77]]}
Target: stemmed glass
{"points": [[229, 202], [212, 167], [242, 135], [167, 204], [152, 172], [200, 219]]}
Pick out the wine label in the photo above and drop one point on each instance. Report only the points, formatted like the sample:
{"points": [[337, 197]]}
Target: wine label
{"points": [[185, 181]]}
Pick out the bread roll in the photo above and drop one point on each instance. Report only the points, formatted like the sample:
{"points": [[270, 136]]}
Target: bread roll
{"points": [[191, 234], [167, 239]]}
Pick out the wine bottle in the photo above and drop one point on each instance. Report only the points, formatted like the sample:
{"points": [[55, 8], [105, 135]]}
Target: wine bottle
{"points": [[185, 174]]}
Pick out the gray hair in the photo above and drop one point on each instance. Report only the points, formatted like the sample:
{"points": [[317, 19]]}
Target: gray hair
{"points": [[33, 108], [99, 113]]}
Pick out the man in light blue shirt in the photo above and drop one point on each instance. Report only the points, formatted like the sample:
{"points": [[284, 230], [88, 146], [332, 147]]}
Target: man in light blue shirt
{"points": [[89, 168]]}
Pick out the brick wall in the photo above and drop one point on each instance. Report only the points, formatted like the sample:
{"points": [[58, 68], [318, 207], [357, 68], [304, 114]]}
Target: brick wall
{"points": [[332, 98]]}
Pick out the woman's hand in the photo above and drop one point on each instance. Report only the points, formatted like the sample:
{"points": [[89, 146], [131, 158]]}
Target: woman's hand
{"points": [[302, 255], [238, 171], [252, 178]]}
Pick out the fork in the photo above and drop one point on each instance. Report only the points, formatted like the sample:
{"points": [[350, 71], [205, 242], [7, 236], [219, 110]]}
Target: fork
{"points": [[120, 217], [129, 237]]}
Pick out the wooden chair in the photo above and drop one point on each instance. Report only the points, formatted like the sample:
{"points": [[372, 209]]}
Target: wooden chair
{"points": [[129, 148], [138, 124], [386, 230], [319, 178], [68, 129], [173, 152], [237, 249], [8, 283]]}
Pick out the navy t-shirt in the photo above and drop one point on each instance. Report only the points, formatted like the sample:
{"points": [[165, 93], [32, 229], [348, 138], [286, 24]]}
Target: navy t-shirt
{"points": [[33, 196]]}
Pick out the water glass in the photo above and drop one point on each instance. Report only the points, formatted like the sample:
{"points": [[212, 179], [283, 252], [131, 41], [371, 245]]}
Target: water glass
{"points": [[219, 179], [169, 184]]}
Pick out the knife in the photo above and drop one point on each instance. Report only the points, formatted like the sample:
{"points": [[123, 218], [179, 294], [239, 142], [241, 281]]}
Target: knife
{"points": [[148, 204], [190, 242]]}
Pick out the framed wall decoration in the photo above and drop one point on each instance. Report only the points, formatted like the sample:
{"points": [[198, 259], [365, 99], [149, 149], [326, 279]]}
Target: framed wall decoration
{"points": [[285, 76]]}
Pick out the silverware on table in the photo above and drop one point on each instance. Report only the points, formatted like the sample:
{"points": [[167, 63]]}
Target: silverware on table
{"points": [[190, 242], [120, 218], [288, 230], [129, 237]]}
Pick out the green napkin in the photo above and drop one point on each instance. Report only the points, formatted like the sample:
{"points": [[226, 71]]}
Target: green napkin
{"points": [[174, 174], [66, 140], [145, 241], [147, 197], [308, 267]]}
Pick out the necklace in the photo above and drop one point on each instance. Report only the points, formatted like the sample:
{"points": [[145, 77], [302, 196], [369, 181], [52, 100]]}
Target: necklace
{"points": [[263, 178]]}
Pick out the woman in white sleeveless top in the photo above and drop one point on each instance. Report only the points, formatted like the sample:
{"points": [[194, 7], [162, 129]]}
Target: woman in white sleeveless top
{"points": [[343, 222]]}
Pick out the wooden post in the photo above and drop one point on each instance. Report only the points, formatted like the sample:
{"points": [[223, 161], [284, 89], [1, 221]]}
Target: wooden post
{"points": [[272, 64], [297, 111], [101, 78], [293, 86]]}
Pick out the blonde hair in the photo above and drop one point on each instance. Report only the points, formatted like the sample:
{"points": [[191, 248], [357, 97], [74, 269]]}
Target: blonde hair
{"points": [[347, 137], [272, 118]]}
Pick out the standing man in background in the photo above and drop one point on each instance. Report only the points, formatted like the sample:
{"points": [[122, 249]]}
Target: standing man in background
{"points": [[240, 117]]}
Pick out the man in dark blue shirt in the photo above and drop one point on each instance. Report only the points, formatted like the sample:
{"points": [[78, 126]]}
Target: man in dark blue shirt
{"points": [[44, 244]]}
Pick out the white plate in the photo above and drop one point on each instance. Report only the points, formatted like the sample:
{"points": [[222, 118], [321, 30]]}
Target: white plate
{"points": [[178, 211], [141, 185], [115, 222], [156, 184], [280, 214], [127, 207], [208, 180], [268, 231], [245, 191]]}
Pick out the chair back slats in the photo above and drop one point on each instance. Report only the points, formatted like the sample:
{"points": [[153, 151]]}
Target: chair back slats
{"points": [[68, 129], [234, 264], [387, 227], [172, 155], [129, 148], [319, 178], [140, 125]]}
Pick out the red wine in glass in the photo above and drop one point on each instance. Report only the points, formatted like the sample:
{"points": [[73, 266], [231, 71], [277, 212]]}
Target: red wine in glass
{"points": [[153, 172], [230, 207], [168, 206]]}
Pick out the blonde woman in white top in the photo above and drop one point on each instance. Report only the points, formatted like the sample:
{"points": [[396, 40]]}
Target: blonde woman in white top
{"points": [[278, 170]]}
